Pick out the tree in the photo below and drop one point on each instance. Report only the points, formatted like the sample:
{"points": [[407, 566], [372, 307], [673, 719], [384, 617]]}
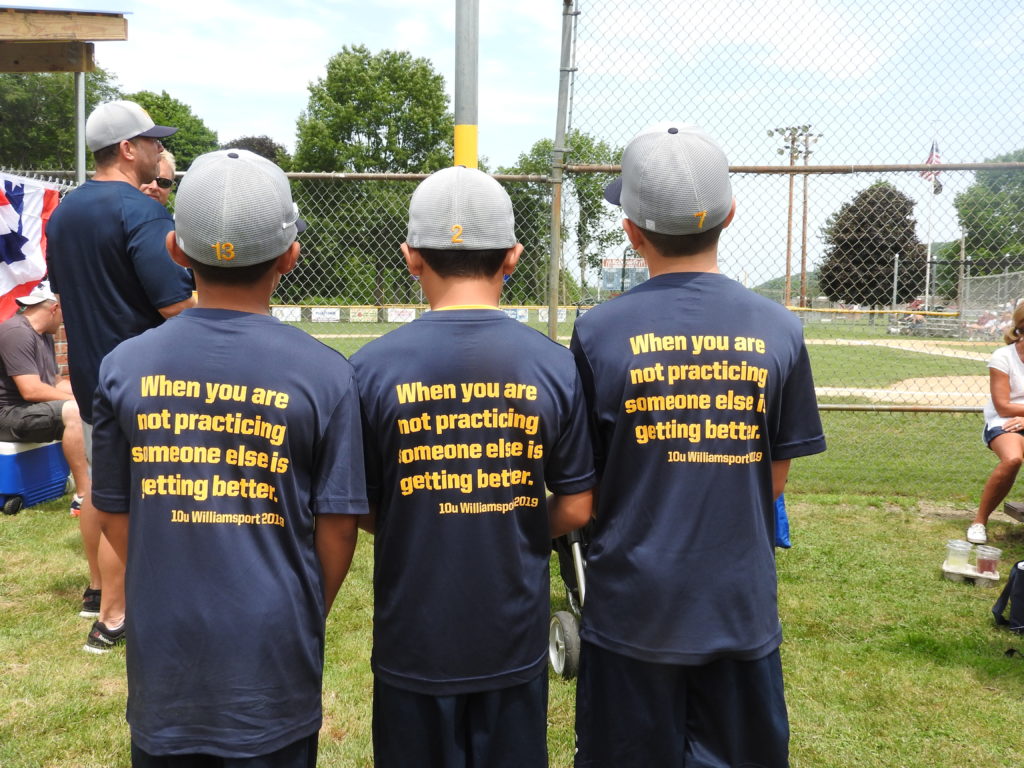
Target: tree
{"points": [[264, 146], [37, 117], [376, 113], [863, 240], [372, 113], [192, 138], [591, 226], [991, 214]]}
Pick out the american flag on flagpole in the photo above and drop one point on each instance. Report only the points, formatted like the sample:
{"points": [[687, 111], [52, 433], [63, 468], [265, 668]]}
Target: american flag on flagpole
{"points": [[933, 159], [25, 207]]}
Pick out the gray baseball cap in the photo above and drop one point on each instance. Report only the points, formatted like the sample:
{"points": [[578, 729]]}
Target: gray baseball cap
{"points": [[675, 180], [460, 209], [116, 121], [233, 209]]}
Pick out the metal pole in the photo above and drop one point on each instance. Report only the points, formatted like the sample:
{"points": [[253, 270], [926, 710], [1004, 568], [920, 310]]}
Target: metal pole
{"points": [[928, 264], [787, 295], [467, 53], [803, 231], [557, 165], [895, 280], [79, 128], [963, 291]]}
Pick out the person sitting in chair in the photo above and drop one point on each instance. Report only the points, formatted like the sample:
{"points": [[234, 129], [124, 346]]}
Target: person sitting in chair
{"points": [[36, 403]]}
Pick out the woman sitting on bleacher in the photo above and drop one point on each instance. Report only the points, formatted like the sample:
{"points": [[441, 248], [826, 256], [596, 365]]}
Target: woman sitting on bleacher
{"points": [[1004, 423]]}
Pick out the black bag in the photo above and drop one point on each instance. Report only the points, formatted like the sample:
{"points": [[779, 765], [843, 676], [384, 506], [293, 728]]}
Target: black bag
{"points": [[1013, 593]]}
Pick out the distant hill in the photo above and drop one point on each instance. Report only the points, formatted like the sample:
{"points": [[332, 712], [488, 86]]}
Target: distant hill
{"points": [[775, 288]]}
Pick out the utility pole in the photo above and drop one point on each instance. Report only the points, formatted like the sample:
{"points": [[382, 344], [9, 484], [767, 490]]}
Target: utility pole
{"points": [[809, 139], [797, 141]]}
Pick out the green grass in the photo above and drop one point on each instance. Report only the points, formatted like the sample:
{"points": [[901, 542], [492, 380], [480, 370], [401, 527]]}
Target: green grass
{"points": [[847, 366], [887, 663]]}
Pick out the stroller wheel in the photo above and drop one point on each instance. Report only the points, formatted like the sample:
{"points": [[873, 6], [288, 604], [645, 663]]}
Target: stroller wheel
{"points": [[564, 644]]}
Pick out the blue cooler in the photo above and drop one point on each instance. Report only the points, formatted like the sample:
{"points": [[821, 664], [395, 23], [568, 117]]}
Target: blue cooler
{"points": [[31, 473]]}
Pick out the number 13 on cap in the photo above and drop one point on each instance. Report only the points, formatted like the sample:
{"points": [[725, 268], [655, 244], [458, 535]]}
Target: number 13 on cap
{"points": [[224, 251]]}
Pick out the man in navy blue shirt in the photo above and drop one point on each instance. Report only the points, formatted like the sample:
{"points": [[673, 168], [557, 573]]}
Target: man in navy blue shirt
{"points": [[109, 265], [700, 394], [231, 480], [470, 417]]}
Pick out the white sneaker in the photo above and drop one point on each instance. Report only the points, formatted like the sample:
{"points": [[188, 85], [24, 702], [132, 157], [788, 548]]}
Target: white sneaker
{"points": [[976, 534]]}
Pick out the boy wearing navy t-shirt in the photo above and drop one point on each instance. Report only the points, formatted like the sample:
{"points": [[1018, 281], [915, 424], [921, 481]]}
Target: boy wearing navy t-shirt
{"points": [[468, 417], [231, 479], [700, 394]]}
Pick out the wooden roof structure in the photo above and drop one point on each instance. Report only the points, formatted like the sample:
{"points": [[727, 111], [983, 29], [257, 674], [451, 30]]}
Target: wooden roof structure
{"points": [[54, 40], [58, 40]]}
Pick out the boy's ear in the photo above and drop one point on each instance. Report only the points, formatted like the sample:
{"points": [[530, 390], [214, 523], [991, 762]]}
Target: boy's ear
{"points": [[413, 259], [286, 261], [508, 266], [177, 255], [732, 212], [634, 234]]}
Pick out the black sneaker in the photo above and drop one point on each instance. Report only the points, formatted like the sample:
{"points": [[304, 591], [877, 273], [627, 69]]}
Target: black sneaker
{"points": [[102, 639], [90, 603]]}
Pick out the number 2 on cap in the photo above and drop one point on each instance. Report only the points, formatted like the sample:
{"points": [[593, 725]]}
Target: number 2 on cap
{"points": [[224, 251], [456, 233]]}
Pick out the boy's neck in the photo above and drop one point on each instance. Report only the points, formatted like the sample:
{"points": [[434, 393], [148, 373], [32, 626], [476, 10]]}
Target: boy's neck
{"points": [[699, 262], [254, 299], [450, 292]]}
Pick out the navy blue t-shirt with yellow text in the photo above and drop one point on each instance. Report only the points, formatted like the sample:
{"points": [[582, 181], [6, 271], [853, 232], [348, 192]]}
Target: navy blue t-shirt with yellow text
{"points": [[224, 455], [695, 386], [469, 417]]}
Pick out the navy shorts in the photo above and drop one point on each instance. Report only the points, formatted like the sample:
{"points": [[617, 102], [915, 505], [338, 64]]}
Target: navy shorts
{"points": [[638, 714], [33, 422], [991, 433], [504, 728], [298, 754]]}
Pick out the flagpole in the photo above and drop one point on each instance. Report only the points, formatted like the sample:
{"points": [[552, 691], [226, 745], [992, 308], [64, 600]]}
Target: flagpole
{"points": [[932, 176], [928, 263]]}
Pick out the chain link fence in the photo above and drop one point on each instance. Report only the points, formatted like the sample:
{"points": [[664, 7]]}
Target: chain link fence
{"points": [[350, 251], [877, 167]]}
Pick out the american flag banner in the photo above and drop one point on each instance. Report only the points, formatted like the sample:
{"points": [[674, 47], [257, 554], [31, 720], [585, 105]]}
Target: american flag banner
{"points": [[933, 159], [25, 207]]}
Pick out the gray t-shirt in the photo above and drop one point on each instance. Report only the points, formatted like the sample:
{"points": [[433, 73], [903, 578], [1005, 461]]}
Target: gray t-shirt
{"points": [[23, 351]]}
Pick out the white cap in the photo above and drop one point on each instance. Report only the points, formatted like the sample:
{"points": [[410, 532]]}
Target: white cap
{"points": [[675, 180], [234, 208], [38, 294], [461, 209], [115, 121]]}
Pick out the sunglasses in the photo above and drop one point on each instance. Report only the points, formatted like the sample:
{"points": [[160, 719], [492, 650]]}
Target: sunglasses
{"points": [[164, 183]]}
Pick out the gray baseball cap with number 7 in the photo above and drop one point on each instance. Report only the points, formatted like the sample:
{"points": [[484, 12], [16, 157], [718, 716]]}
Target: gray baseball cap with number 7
{"points": [[234, 208], [675, 180], [461, 209]]}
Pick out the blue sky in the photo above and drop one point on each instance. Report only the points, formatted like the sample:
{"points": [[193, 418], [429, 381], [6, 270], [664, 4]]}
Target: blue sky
{"points": [[244, 66]]}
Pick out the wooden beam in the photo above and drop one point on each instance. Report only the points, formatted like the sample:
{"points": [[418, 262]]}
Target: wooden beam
{"points": [[35, 24], [47, 57]]}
